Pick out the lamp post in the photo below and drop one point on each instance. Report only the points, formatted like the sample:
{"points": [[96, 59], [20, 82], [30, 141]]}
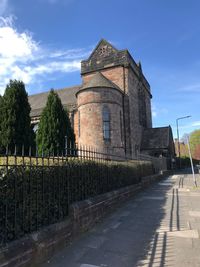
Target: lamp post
{"points": [[192, 166], [179, 152]]}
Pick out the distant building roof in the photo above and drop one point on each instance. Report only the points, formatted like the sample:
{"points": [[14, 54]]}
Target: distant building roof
{"points": [[67, 96], [156, 138]]}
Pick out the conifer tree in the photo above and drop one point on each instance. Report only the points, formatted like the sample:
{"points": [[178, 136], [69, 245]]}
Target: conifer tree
{"points": [[54, 127], [15, 116], [1, 103]]}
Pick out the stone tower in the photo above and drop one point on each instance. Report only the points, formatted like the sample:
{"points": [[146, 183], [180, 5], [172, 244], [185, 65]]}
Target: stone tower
{"points": [[128, 88], [100, 115]]}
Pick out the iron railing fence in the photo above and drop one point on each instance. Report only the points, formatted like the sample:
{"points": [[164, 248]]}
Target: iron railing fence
{"points": [[37, 190]]}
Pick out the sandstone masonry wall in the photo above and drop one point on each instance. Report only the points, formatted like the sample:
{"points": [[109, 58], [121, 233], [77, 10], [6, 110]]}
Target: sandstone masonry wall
{"points": [[119, 67], [114, 74], [90, 108]]}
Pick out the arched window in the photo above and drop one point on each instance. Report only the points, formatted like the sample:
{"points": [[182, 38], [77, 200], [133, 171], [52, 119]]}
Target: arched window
{"points": [[106, 123]]}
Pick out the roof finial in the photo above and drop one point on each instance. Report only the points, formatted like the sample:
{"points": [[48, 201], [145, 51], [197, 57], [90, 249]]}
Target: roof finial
{"points": [[140, 66]]}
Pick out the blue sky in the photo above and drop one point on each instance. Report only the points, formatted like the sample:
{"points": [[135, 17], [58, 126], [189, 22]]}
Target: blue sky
{"points": [[43, 41]]}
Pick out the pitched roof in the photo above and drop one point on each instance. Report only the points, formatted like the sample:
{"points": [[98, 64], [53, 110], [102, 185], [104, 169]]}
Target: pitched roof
{"points": [[105, 55], [102, 42], [67, 96], [99, 80], [156, 138]]}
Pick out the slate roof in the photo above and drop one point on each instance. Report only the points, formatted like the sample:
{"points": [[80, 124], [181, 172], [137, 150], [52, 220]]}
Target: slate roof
{"points": [[99, 80], [67, 96], [156, 138]]}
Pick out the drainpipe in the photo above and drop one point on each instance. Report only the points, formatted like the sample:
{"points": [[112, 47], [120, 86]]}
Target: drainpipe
{"points": [[123, 107]]}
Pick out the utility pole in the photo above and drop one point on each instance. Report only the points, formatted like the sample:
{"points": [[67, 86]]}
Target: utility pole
{"points": [[179, 151], [192, 166]]}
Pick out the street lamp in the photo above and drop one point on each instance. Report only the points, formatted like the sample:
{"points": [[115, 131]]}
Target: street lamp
{"points": [[179, 152]]}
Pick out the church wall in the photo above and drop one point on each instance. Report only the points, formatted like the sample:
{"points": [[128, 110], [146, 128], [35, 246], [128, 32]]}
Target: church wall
{"points": [[133, 91], [128, 76], [114, 74], [119, 76], [90, 107], [148, 109], [126, 108], [136, 129], [128, 81]]}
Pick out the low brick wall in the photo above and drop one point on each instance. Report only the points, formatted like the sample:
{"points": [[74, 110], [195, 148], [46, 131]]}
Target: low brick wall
{"points": [[40, 246]]}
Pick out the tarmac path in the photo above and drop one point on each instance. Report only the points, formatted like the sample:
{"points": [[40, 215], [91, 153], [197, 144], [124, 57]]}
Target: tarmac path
{"points": [[159, 227]]}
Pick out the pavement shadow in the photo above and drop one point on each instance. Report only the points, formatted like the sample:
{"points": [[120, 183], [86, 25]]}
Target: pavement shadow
{"points": [[134, 235], [158, 245]]}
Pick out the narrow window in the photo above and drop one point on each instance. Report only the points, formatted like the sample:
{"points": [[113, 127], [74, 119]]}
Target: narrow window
{"points": [[106, 123], [121, 130], [79, 124]]}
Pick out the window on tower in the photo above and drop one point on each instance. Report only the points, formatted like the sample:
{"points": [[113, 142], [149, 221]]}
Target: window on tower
{"points": [[121, 128], [106, 123], [79, 124]]}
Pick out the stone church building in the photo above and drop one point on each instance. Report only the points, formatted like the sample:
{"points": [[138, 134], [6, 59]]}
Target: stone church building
{"points": [[111, 109]]}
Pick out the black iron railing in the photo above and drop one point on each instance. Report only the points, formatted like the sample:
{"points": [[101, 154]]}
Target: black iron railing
{"points": [[37, 190]]}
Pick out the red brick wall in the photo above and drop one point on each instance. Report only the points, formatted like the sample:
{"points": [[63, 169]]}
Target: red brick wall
{"points": [[90, 105], [128, 82], [114, 74]]}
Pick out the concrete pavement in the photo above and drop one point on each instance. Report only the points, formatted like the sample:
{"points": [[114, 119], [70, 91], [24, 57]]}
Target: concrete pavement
{"points": [[159, 227]]}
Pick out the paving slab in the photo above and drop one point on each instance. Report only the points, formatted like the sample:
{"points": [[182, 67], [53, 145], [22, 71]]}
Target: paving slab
{"points": [[159, 227]]}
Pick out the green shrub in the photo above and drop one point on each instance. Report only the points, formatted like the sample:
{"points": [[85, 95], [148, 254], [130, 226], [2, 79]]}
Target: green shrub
{"points": [[33, 196], [185, 162]]}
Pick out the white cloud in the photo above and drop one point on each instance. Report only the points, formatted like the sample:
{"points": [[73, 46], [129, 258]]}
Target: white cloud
{"points": [[15, 45], [21, 57]]}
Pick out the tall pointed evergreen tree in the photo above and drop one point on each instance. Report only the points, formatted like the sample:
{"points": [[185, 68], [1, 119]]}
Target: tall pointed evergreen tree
{"points": [[15, 116], [1, 104], [54, 127]]}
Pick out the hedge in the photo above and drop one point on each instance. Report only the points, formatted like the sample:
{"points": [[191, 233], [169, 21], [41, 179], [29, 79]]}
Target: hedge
{"points": [[33, 196]]}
